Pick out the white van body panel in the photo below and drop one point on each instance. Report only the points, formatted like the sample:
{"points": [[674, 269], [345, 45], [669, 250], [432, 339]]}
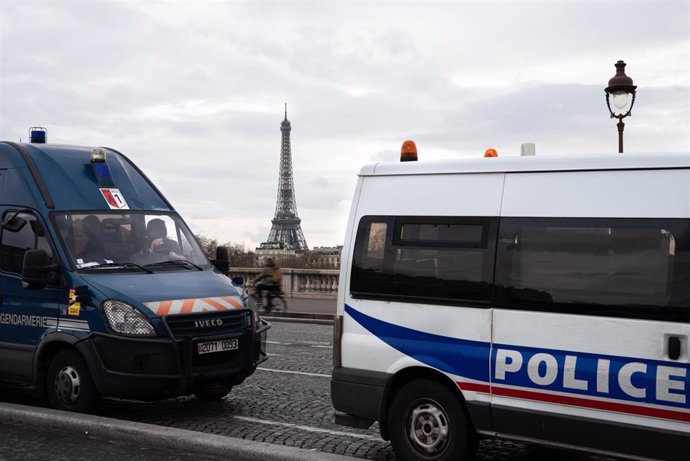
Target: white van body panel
{"points": [[437, 194], [641, 193]]}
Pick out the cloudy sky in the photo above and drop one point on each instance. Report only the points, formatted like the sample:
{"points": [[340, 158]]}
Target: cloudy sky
{"points": [[193, 91]]}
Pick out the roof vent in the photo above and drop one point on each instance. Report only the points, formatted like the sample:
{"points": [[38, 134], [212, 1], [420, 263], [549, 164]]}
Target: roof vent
{"points": [[38, 135], [528, 149]]}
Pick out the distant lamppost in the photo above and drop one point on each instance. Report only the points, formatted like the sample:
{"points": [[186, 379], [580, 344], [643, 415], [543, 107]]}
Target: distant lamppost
{"points": [[621, 87]]}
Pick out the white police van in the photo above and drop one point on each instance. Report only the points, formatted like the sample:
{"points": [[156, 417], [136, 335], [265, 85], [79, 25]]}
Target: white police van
{"points": [[542, 299]]}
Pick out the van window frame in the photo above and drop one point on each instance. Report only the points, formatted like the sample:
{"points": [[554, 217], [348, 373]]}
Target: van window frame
{"points": [[53, 215], [37, 216], [394, 241], [537, 300]]}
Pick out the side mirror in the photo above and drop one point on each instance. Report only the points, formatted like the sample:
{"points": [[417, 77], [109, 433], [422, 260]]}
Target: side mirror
{"points": [[222, 261], [14, 223], [38, 270]]}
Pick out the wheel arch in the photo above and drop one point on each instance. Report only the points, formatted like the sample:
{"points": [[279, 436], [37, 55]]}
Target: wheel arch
{"points": [[51, 346], [404, 376]]}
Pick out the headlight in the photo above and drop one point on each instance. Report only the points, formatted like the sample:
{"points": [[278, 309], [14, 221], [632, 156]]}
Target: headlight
{"points": [[126, 320]]}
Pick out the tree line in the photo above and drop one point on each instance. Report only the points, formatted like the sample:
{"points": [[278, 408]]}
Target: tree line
{"points": [[240, 256]]}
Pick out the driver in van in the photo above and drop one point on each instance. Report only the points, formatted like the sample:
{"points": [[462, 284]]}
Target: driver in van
{"points": [[160, 243], [93, 230]]}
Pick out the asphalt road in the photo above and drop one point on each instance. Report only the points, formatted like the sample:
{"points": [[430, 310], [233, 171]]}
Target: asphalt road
{"points": [[286, 402]]}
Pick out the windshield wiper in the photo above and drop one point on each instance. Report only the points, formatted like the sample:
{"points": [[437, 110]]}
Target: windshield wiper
{"points": [[115, 265], [176, 262]]}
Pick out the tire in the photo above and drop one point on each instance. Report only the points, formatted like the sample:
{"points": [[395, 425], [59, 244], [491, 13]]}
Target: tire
{"points": [[69, 384], [428, 422], [278, 304]]}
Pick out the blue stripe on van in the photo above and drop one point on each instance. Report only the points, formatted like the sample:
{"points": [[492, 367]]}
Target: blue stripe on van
{"points": [[629, 379], [469, 359]]}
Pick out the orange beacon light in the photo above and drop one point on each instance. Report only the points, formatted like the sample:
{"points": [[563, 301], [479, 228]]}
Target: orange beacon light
{"points": [[408, 153], [490, 153]]}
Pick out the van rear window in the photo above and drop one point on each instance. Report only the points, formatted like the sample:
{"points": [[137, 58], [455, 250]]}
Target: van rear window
{"points": [[616, 267]]}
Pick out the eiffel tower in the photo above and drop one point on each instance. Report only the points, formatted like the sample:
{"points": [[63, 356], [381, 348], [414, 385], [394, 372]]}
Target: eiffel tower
{"points": [[286, 229]]}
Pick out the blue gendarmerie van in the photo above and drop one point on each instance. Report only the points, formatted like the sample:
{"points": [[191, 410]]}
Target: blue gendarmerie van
{"points": [[104, 291]]}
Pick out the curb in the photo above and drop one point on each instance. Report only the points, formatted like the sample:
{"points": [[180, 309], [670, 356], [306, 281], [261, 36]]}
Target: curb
{"points": [[160, 436]]}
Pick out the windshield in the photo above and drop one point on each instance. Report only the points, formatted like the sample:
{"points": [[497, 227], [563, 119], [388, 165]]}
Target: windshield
{"points": [[107, 239]]}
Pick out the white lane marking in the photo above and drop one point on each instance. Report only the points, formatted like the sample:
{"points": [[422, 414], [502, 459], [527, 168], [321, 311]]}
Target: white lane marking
{"points": [[307, 428], [320, 375]]}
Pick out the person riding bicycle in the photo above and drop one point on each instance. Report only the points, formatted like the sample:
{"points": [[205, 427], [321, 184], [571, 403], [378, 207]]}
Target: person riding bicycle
{"points": [[269, 279]]}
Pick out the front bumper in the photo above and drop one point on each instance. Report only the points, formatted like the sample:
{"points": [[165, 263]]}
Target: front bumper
{"points": [[358, 395], [152, 368]]}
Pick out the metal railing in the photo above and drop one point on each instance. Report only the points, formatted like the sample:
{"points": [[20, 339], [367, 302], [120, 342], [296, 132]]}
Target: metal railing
{"points": [[299, 283]]}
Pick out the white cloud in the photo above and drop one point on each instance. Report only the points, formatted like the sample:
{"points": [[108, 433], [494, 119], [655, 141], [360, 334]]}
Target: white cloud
{"points": [[193, 91]]}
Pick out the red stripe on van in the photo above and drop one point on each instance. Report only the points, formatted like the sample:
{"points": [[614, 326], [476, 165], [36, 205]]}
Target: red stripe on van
{"points": [[578, 402]]}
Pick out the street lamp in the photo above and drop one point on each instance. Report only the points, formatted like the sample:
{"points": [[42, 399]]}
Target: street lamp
{"points": [[621, 87]]}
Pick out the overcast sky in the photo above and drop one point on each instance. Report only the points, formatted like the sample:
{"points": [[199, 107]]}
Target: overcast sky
{"points": [[193, 91]]}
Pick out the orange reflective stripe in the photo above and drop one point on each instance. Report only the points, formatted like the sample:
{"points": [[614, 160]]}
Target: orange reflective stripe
{"points": [[163, 308], [234, 303], [187, 306], [212, 302]]}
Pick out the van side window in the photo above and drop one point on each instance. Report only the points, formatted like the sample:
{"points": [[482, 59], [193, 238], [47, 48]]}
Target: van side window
{"points": [[637, 268], [24, 232], [412, 259]]}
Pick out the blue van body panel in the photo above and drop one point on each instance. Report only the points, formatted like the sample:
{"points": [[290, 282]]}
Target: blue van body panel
{"points": [[138, 288], [18, 191], [68, 175]]}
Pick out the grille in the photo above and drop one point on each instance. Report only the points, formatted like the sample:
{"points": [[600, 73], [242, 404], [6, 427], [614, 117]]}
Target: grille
{"points": [[208, 323]]}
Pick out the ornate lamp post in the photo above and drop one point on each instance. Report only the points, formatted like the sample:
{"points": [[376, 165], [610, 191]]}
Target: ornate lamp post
{"points": [[621, 87]]}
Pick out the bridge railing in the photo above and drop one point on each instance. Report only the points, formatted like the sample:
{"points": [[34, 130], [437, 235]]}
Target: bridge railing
{"points": [[299, 283]]}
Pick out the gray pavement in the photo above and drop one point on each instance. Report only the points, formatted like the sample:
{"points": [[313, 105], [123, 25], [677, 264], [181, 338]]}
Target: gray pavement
{"points": [[311, 306], [41, 433], [306, 310]]}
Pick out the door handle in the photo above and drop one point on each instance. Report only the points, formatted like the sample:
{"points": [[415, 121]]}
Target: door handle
{"points": [[673, 347]]}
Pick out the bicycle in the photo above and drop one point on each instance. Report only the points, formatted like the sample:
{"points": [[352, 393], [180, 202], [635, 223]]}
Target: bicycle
{"points": [[273, 300]]}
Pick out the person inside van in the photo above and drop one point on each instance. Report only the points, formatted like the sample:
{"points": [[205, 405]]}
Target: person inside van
{"points": [[269, 279], [94, 248], [159, 242]]}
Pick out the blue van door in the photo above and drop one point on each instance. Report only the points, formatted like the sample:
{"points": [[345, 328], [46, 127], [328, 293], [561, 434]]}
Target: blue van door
{"points": [[26, 315]]}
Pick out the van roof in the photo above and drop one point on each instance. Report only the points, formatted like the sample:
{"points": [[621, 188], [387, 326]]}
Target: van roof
{"points": [[63, 179], [507, 164]]}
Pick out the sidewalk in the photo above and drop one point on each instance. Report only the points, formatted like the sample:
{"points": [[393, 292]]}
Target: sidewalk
{"points": [[45, 434], [306, 310]]}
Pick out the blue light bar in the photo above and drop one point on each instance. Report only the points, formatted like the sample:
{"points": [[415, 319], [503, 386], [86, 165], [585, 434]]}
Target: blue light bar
{"points": [[38, 135], [104, 177]]}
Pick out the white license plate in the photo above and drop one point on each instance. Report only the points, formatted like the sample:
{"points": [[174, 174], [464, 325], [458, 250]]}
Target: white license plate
{"points": [[217, 346]]}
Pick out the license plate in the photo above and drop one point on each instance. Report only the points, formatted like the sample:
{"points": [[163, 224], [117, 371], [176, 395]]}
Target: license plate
{"points": [[217, 346]]}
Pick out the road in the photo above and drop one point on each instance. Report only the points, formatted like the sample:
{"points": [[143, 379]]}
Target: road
{"points": [[287, 402]]}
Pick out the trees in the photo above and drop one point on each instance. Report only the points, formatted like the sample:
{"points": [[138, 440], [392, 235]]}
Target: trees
{"points": [[239, 256]]}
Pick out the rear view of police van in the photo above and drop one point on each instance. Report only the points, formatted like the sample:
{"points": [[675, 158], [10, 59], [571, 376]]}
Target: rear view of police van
{"points": [[105, 290], [542, 299]]}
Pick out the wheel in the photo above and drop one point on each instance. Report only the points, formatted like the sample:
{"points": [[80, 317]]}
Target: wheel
{"points": [[277, 303], [427, 421], [69, 383]]}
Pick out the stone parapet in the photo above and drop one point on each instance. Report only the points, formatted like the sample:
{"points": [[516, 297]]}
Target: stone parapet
{"points": [[299, 283]]}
